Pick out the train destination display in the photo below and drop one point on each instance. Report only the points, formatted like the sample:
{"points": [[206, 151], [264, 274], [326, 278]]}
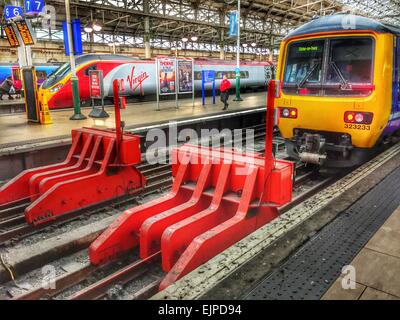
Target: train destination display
{"points": [[11, 36], [25, 32]]}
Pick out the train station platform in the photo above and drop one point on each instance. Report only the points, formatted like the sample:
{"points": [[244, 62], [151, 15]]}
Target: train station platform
{"points": [[16, 130], [7, 106], [376, 267], [356, 256]]}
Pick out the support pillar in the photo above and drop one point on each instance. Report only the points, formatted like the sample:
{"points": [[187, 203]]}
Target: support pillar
{"points": [[222, 35], [146, 37]]}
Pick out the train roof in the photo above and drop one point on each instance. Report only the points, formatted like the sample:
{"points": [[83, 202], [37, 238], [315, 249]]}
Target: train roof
{"points": [[106, 57], [342, 22]]}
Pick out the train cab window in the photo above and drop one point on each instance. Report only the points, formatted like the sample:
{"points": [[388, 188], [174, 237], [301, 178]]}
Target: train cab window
{"points": [[303, 70], [350, 62], [41, 75], [92, 67]]}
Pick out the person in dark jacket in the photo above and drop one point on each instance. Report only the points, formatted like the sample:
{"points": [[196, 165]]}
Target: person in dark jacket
{"points": [[224, 88], [5, 88]]}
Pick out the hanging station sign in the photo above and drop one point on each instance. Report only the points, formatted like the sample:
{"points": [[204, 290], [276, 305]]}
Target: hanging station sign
{"points": [[167, 76], [233, 24], [12, 36], [33, 7], [185, 76], [11, 12]]}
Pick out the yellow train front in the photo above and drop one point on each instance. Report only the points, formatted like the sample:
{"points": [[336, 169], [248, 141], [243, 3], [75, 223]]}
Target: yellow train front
{"points": [[339, 97]]}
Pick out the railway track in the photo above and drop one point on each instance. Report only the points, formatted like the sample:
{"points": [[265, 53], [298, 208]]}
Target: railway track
{"points": [[12, 218], [75, 285], [13, 223]]}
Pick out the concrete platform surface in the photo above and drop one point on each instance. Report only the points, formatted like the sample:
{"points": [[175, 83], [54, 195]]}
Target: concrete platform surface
{"points": [[14, 128], [6, 101], [376, 267]]}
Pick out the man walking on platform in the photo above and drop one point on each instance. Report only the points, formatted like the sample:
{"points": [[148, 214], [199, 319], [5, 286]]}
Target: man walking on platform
{"points": [[224, 88], [5, 88]]}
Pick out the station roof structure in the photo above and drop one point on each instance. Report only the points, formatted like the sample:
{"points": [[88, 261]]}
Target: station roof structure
{"points": [[173, 23]]}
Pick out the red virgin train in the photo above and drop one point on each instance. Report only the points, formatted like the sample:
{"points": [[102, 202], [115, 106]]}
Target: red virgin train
{"points": [[138, 77]]}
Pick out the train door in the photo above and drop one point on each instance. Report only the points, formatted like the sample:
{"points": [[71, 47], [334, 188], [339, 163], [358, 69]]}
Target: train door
{"points": [[16, 78], [84, 90]]}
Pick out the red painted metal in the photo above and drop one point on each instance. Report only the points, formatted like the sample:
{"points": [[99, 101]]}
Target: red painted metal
{"points": [[117, 111], [218, 197], [100, 166]]}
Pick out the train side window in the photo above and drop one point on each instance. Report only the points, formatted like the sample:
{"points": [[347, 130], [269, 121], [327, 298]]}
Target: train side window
{"points": [[92, 67]]}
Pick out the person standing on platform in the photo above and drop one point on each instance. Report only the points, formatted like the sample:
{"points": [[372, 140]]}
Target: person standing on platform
{"points": [[224, 88], [5, 88]]}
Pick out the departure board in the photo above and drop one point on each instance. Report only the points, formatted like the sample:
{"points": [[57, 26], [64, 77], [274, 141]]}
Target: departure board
{"points": [[11, 36], [25, 32]]}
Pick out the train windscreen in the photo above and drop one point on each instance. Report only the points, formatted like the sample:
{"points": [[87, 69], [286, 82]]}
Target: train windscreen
{"points": [[57, 76], [304, 66], [330, 67]]}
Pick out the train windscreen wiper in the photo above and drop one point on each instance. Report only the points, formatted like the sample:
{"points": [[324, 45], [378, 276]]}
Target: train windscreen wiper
{"points": [[308, 75], [339, 73]]}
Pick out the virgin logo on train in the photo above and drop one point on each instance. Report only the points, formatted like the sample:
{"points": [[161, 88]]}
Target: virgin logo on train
{"points": [[135, 81]]}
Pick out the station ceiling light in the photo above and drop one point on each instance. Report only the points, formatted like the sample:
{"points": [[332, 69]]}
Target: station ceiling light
{"points": [[97, 26], [93, 26], [253, 44], [244, 45], [194, 38], [88, 28], [184, 39]]}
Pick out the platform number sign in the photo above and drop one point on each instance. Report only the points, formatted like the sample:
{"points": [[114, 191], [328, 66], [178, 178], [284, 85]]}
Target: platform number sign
{"points": [[11, 12], [33, 7]]}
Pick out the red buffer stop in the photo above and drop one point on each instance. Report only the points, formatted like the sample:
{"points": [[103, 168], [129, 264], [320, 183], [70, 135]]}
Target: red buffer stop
{"points": [[99, 166], [218, 197]]}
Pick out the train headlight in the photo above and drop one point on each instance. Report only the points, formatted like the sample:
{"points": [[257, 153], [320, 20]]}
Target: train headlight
{"points": [[56, 88], [358, 117], [288, 113], [285, 113]]}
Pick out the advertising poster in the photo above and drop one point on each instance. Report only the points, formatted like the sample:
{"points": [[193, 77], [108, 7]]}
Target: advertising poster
{"points": [[185, 76], [167, 76], [96, 84]]}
